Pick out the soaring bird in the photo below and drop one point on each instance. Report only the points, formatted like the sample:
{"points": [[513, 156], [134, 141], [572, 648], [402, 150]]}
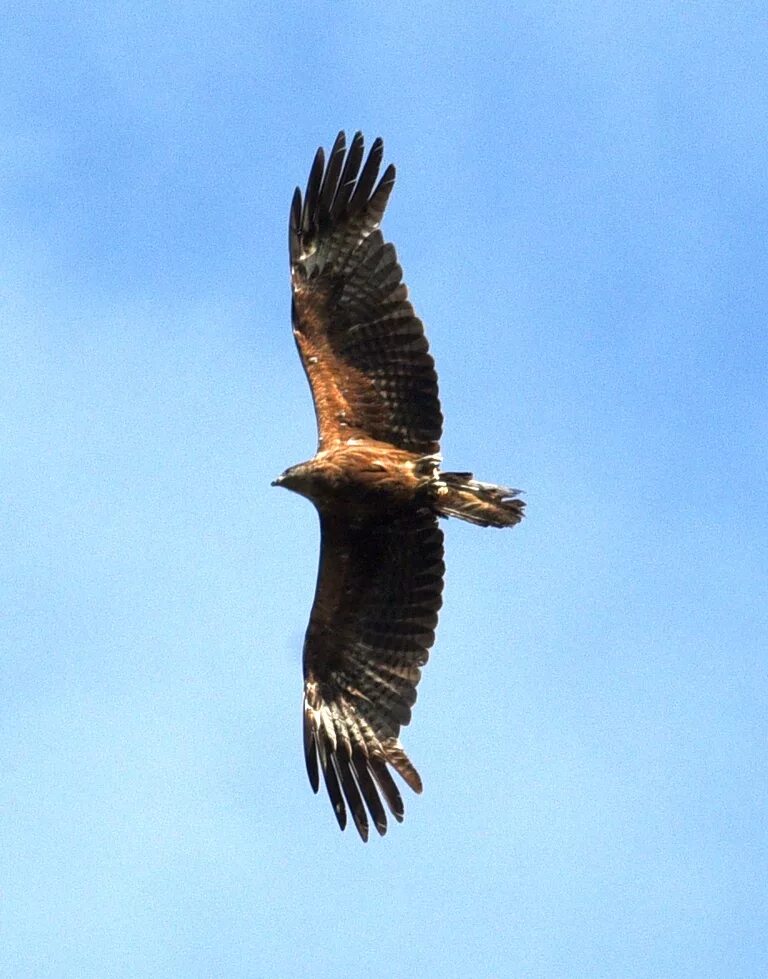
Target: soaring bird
{"points": [[376, 483]]}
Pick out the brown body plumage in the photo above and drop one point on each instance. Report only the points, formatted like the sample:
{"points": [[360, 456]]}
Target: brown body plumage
{"points": [[376, 483]]}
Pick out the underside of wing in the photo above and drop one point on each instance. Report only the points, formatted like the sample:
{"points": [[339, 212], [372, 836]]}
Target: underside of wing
{"points": [[372, 624], [361, 343]]}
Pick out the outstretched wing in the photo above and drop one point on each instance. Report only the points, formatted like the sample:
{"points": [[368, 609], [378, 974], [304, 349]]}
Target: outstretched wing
{"points": [[378, 593], [362, 346]]}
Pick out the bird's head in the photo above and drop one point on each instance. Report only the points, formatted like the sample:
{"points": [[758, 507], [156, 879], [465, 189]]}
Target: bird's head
{"points": [[294, 478]]}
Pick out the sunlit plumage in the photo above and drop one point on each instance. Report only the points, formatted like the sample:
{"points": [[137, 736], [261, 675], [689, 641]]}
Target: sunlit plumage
{"points": [[376, 483]]}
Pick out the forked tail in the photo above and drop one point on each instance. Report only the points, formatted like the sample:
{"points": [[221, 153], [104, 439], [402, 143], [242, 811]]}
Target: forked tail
{"points": [[460, 495]]}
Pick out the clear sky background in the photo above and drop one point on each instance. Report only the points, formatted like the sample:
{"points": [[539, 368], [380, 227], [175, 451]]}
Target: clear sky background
{"points": [[581, 212]]}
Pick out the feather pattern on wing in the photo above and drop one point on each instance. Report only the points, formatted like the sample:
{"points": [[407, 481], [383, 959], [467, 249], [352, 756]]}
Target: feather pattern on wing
{"points": [[362, 346], [372, 624]]}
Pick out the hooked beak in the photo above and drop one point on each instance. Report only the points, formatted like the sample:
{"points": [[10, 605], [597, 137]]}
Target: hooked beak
{"points": [[277, 482]]}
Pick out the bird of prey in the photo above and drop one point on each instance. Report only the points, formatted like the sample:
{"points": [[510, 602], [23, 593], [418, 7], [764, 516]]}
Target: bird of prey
{"points": [[376, 483]]}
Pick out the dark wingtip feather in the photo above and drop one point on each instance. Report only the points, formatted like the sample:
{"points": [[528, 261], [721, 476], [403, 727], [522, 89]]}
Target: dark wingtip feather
{"points": [[388, 788], [332, 785], [367, 177], [294, 226], [352, 795], [313, 189], [310, 755], [388, 177], [339, 189], [381, 195], [331, 178], [369, 792]]}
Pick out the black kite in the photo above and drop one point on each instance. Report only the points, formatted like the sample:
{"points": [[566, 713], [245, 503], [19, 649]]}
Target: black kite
{"points": [[376, 483]]}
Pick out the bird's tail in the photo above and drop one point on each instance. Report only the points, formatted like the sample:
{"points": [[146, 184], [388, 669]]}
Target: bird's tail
{"points": [[461, 495]]}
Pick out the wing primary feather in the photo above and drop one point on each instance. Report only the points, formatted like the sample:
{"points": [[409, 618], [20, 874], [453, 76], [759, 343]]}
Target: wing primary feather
{"points": [[369, 791], [401, 763], [331, 178], [342, 763], [332, 782], [368, 176], [348, 176], [294, 227], [359, 763], [378, 201], [310, 752], [388, 788], [313, 188]]}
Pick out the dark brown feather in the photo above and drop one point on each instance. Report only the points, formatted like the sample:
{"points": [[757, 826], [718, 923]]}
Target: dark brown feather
{"points": [[388, 788], [368, 790], [310, 753], [348, 176], [362, 346], [332, 785], [331, 179]]}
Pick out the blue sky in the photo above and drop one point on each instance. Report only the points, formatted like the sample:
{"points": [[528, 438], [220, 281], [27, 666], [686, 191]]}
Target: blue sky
{"points": [[581, 212]]}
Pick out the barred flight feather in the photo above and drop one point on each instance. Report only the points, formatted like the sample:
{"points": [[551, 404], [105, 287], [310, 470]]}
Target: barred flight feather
{"points": [[350, 306], [379, 589]]}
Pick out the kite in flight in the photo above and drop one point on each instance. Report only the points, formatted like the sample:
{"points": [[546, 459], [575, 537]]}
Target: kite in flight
{"points": [[376, 483]]}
